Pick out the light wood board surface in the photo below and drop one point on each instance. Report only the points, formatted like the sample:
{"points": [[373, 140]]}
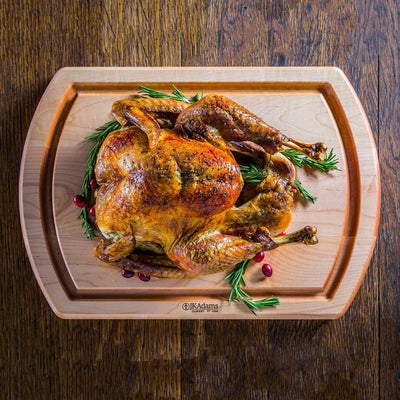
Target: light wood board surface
{"points": [[309, 104]]}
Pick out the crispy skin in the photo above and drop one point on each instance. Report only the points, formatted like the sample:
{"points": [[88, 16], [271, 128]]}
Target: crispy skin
{"points": [[183, 183]]}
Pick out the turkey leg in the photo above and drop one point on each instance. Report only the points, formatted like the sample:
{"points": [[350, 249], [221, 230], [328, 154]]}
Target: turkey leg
{"points": [[234, 123], [216, 252], [306, 235]]}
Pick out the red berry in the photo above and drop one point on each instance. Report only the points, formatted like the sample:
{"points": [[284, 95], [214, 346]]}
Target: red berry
{"points": [[267, 270], [259, 257], [144, 278], [95, 222], [80, 201], [92, 210], [127, 274], [282, 233], [93, 183]]}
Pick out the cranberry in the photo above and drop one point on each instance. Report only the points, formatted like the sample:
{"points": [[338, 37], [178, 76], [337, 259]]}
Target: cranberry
{"points": [[80, 201], [282, 233], [92, 210], [93, 183], [95, 222], [127, 274], [143, 277], [267, 270], [259, 257]]}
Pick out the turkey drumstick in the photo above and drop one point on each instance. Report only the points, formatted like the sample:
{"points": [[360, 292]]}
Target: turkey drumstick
{"points": [[215, 114]]}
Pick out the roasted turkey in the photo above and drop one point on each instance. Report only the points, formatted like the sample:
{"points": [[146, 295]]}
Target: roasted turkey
{"points": [[172, 202]]}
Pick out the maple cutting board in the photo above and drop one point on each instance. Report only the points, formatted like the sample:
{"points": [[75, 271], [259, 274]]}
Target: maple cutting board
{"points": [[308, 104]]}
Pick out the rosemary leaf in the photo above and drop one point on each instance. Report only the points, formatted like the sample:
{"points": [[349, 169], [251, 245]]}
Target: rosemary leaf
{"points": [[98, 138], [236, 279], [90, 229], [307, 196], [176, 95], [301, 160], [102, 132], [252, 174]]}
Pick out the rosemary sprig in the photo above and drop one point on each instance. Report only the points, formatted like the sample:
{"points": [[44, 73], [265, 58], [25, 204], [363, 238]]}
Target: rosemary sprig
{"points": [[236, 280], [88, 226], [301, 160], [98, 138], [252, 174], [307, 196], [102, 132], [176, 95]]}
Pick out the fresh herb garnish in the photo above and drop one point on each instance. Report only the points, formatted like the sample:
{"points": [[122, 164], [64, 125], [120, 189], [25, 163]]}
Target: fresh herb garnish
{"points": [[252, 174], [301, 160], [236, 280], [88, 226], [98, 138], [176, 95], [307, 196]]}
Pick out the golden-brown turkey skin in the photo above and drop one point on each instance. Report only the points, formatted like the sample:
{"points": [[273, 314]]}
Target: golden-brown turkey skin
{"points": [[180, 186]]}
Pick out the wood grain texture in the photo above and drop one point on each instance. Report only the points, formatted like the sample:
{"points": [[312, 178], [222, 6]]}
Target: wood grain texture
{"points": [[355, 357], [389, 245]]}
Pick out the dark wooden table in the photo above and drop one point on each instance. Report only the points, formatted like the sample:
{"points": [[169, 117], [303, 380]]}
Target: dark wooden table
{"points": [[357, 356]]}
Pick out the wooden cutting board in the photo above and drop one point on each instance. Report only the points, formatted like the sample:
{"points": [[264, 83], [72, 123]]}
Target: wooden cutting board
{"points": [[309, 104]]}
